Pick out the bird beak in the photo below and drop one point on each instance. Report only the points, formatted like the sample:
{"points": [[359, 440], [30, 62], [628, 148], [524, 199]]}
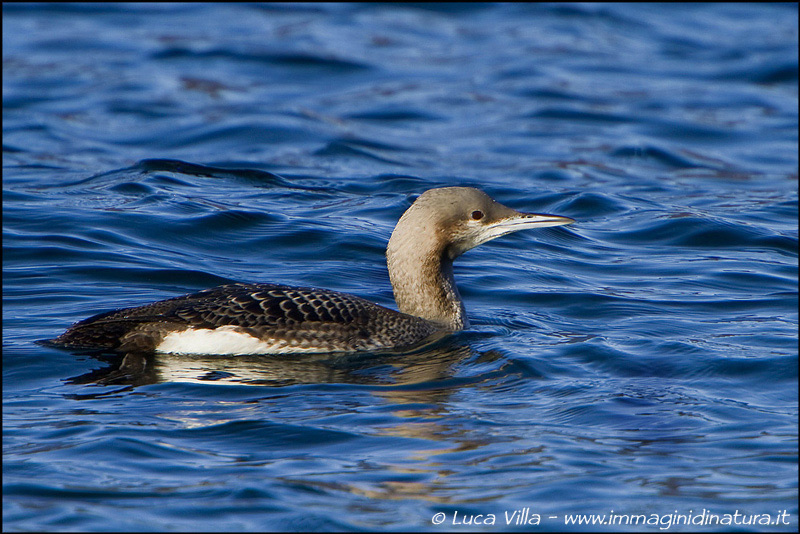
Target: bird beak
{"points": [[522, 221]]}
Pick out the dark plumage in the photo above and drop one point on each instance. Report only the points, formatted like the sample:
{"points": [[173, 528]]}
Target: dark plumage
{"points": [[328, 319]]}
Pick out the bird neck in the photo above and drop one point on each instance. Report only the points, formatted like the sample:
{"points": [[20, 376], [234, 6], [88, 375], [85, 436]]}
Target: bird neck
{"points": [[422, 279]]}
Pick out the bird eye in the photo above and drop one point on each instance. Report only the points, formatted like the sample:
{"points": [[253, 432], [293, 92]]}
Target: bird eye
{"points": [[477, 215]]}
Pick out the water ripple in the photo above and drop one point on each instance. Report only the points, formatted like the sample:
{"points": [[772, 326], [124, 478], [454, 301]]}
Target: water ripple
{"points": [[641, 360]]}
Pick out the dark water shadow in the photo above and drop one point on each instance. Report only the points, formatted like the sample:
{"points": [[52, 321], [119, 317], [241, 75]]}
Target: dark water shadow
{"points": [[411, 370], [136, 176]]}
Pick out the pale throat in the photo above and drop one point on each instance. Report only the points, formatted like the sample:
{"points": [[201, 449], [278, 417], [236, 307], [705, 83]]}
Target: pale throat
{"points": [[424, 286]]}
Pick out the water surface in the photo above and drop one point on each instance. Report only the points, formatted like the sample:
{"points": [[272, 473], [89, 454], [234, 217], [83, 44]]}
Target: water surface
{"points": [[640, 361]]}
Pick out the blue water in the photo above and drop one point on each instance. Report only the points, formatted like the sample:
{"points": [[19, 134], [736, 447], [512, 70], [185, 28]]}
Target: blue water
{"points": [[640, 361]]}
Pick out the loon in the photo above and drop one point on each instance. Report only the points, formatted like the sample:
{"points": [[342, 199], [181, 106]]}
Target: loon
{"points": [[261, 318]]}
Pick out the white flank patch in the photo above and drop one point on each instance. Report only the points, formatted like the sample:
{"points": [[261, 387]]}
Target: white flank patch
{"points": [[225, 340]]}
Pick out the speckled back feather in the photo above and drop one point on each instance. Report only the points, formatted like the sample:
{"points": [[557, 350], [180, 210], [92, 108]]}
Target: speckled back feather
{"points": [[313, 317]]}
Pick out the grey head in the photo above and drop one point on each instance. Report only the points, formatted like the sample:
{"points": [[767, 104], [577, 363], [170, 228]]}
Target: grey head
{"points": [[438, 227]]}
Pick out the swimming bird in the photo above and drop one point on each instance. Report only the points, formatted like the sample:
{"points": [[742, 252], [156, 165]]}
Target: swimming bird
{"points": [[261, 318]]}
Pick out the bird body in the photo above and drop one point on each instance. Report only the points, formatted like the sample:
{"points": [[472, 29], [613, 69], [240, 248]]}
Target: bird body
{"points": [[250, 319], [277, 319]]}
